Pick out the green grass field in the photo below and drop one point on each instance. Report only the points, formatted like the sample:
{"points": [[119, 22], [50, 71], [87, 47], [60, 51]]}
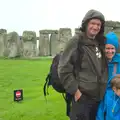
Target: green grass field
{"points": [[28, 75]]}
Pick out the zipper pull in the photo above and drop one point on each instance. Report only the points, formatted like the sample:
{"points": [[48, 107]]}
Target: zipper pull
{"points": [[112, 110]]}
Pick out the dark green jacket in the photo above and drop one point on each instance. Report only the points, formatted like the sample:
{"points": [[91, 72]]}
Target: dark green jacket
{"points": [[91, 79]]}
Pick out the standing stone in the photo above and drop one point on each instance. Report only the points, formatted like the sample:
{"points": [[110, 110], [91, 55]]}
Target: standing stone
{"points": [[29, 44], [44, 44], [117, 31], [13, 47], [37, 47], [64, 36], [108, 29], [77, 30], [3, 31], [3, 39], [54, 43]]}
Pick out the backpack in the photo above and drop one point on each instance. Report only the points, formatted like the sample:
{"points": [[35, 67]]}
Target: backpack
{"points": [[52, 78]]}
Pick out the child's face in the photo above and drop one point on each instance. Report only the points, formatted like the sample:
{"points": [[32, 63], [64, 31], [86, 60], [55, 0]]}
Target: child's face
{"points": [[117, 91]]}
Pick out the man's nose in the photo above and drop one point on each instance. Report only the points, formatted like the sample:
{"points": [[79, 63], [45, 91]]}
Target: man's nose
{"points": [[95, 27]]}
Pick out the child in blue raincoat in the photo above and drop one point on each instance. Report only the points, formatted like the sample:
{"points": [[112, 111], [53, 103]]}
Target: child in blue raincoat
{"points": [[110, 99], [109, 108]]}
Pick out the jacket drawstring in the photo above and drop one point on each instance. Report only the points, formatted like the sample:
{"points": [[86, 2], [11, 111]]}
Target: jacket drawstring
{"points": [[114, 105]]}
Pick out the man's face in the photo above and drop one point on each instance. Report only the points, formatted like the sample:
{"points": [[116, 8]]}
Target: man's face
{"points": [[109, 51], [93, 27]]}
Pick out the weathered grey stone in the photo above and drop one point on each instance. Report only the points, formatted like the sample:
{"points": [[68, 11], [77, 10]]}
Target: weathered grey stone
{"points": [[116, 30], [13, 46], [29, 44], [3, 31], [54, 44], [108, 29], [48, 31], [64, 36], [44, 45], [29, 36], [112, 24], [77, 30], [3, 39]]}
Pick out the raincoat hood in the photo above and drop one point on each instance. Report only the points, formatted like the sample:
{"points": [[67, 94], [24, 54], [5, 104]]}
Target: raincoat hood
{"points": [[93, 14]]}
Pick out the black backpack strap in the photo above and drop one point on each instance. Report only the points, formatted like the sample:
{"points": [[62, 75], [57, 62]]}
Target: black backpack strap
{"points": [[45, 88], [68, 103], [68, 99]]}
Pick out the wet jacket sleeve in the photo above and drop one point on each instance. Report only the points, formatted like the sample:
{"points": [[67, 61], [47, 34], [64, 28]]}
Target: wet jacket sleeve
{"points": [[101, 109], [65, 67]]}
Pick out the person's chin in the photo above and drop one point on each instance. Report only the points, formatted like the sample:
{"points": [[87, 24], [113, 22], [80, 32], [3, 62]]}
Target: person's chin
{"points": [[94, 33], [110, 58]]}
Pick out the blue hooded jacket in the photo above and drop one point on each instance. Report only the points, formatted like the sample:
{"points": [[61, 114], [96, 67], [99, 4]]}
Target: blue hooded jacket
{"points": [[109, 108], [110, 105], [111, 38]]}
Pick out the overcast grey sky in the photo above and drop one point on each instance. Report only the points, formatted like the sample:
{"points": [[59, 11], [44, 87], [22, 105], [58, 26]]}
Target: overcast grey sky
{"points": [[20, 15]]}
